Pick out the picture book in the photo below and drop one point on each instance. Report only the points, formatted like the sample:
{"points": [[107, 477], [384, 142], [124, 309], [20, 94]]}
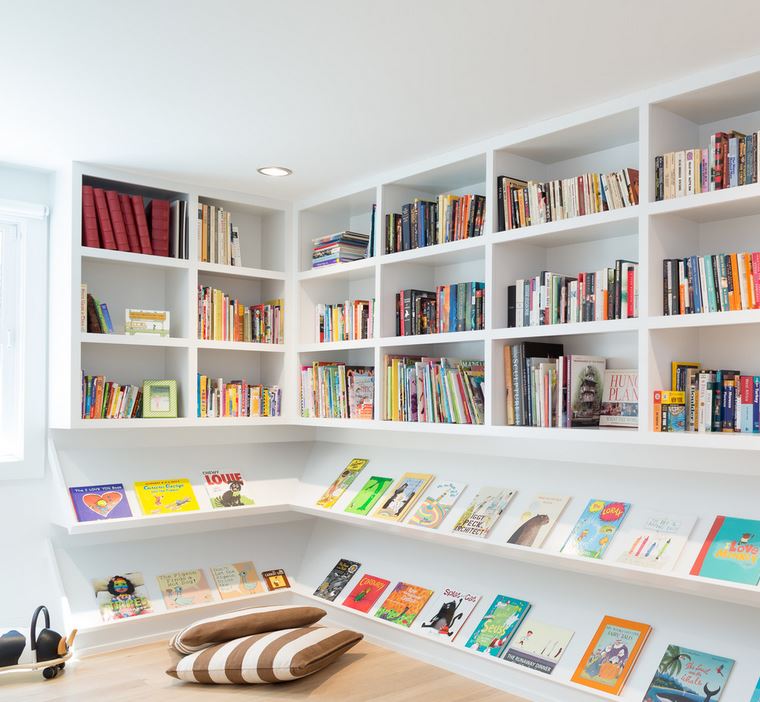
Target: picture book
{"points": [[403, 496], [538, 646], [227, 489], [685, 674], [166, 496], [498, 626], [620, 399], [538, 520], [342, 482], [586, 384], [611, 655], [403, 604], [731, 551], [337, 579], [95, 502], [652, 539], [122, 596], [484, 511], [756, 693], [437, 503], [275, 579], [236, 580], [368, 496], [184, 588], [593, 532], [366, 593], [452, 608]]}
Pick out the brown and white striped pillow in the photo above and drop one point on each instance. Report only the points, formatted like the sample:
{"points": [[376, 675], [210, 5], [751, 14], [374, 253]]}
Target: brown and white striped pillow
{"points": [[243, 622], [276, 656]]}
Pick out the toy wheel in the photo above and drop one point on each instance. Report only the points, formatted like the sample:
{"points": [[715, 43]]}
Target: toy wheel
{"points": [[61, 666], [49, 673]]}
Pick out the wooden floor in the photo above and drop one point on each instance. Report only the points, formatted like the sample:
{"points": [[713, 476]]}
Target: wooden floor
{"points": [[365, 673]]}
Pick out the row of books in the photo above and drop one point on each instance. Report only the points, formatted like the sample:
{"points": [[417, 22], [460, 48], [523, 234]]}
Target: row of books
{"points": [[434, 390], [554, 298], [95, 317], [218, 238], [341, 247], [120, 222], [730, 160], [337, 391], [524, 203], [236, 398], [222, 318], [427, 222], [713, 283], [451, 308], [105, 399], [347, 321]]}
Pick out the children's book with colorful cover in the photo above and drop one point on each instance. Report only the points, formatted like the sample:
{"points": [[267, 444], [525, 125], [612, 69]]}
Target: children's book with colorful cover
{"points": [[122, 596], [367, 497], [403, 604], [337, 579], [688, 675], [94, 502], [397, 504], [342, 482], [451, 609], [652, 538], [275, 579], [437, 503], [184, 588], [593, 532], [611, 655], [731, 551], [227, 489], [236, 580], [620, 399], [498, 625], [366, 593], [756, 693], [538, 646], [166, 496], [538, 520], [484, 511]]}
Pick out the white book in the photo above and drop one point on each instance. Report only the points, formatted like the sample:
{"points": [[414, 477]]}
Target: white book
{"points": [[519, 302]]}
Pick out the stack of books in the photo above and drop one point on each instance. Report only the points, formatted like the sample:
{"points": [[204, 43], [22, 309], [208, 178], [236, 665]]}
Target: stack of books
{"points": [[450, 308], [337, 391], [348, 321], [104, 399], [341, 247], [219, 240], [222, 318], [236, 398]]}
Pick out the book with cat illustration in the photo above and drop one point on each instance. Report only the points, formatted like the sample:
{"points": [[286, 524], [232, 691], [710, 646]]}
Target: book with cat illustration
{"points": [[366, 592], [450, 608], [184, 588], [166, 496], [399, 501], [337, 579], [538, 520], [595, 528], [731, 551], [95, 502], [403, 604], [538, 646], [437, 503], [370, 493], [484, 511], [227, 489], [236, 580], [122, 596], [342, 482], [498, 625], [686, 674]]}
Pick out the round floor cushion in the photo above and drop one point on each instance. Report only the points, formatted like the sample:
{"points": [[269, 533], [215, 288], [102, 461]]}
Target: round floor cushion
{"points": [[275, 656]]}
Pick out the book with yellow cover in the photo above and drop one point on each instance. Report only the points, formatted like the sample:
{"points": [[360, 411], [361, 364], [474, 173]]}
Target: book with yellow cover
{"points": [[342, 482], [166, 496], [404, 495]]}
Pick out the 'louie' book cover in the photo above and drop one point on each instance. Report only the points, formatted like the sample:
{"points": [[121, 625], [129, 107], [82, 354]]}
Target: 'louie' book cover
{"points": [[731, 551]]}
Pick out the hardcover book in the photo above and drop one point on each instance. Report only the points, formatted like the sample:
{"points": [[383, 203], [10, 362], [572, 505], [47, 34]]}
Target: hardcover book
{"points": [[366, 592], [538, 646], [498, 625], [587, 382], [595, 528], [538, 520], [437, 503], [731, 551], [95, 502], [337, 579], [361, 392], [620, 399], [686, 674], [166, 496], [342, 482], [184, 588], [236, 580], [275, 579], [452, 608], [611, 655], [403, 496], [403, 604], [484, 511], [227, 489], [756, 693], [368, 496], [121, 596], [147, 323]]}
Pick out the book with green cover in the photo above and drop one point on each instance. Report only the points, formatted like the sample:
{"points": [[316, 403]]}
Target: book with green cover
{"points": [[370, 493], [498, 625]]}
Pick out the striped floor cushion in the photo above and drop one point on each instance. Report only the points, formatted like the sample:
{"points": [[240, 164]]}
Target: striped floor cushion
{"points": [[276, 656], [243, 622]]}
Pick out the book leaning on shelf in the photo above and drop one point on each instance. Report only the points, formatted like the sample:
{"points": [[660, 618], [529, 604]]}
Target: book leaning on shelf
{"points": [[236, 398], [105, 399], [347, 321], [222, 318], [450, 308], [335, 390], [218, 239]]}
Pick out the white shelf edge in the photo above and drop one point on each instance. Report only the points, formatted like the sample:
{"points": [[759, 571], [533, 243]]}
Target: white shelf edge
{"points": [[135, 340], [604, 326], [340, 269], [705, 201], [704, 319], [238, 271], [109, 255], [349, 345], [435, 250], [442, 338], [238, 346]]}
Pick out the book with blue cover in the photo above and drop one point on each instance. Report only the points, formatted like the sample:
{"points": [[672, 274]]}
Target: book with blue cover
{"points": [[731, 551], [95, 502], [595, 528], [686, 675]]}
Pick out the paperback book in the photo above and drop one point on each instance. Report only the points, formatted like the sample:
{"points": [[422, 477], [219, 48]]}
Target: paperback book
{"points": [[403, 604], [368, 496], [337, 579], [96, 502], [122, 596], [366, 592], [184, 588], [166, 496], [275, 579], [452, 608], [756, 693], [498, 625], [586, 376], [731, 551], [437, 503], [686, 674], [594, 530], [620, 399], [342, 483], [403, 496], [227, 489], [484, 511], [538, 520], [236, 580], [539, 646]]}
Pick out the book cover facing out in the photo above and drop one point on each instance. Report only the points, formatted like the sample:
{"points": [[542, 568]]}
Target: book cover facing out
{"points": [[366, 593], [95, 502], [498, 625], [538, 646], [342, 482], [731, 551], [337, 579], [370, 493], [236, 580], [403, 604], [686, 674]]}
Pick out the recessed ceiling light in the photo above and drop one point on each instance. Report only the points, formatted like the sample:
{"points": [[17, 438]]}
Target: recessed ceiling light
{"points": [[274, 171]]}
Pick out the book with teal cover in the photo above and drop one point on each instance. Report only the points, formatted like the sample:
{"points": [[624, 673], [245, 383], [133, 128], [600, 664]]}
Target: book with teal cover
{"points": [[498, 625], [593, 532], [756, 693], [689, 675], [731, 551]]}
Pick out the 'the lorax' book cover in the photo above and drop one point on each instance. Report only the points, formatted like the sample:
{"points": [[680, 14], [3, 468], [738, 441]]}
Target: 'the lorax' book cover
{"points": [[593, 532], [689, 676], [731, 551]]}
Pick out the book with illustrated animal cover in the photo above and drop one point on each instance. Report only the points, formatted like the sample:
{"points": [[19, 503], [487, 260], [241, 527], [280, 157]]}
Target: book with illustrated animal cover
{"points": [[437, 503], [620, 399], [484, 511], [731, 551], [366, 593], [166, 496], [538, 646], [403, 604], [236, 580], [227, 489], [498, 625], [275, 579], [593, 532], [337, 579], [451, 608], [689, 676], [184, 588], [399, 501], [368, 496], [538, 520], [122, 596], [611, 655], [95, 502], [342, 482]]}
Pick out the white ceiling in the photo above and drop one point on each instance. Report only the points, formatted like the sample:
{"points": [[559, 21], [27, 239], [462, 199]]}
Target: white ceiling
{"points": [[207, 90]]}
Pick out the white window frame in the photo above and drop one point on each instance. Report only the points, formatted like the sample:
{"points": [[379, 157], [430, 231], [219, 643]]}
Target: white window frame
{"points": [[23, 335]]}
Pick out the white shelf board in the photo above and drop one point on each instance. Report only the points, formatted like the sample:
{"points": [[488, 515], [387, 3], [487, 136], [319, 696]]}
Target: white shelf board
{"points": [[705, 319], [423, 339], [741, 201], [135, 340], [604, 326], [107, 255], [363, 268], [239, 346], [142, 423], [444, 254], [338, 345], [239, 271]]}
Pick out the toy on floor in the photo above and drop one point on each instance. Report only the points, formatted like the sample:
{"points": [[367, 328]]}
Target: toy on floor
{"points": [[31, 651]]}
